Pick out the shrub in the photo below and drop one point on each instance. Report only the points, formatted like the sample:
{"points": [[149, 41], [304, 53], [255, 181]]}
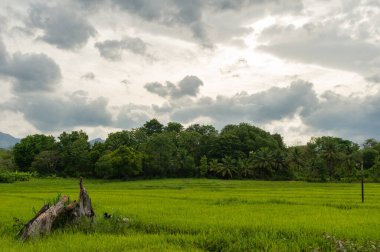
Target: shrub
{"points": [[10, 177]]}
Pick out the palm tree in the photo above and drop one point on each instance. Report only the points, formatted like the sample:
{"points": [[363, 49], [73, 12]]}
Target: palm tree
{"points": [[213, 166], [351, 158], [227, 169], [330, 153], [281, 166], [295, 157], [263, 162], [280, 162], [245, 168]]}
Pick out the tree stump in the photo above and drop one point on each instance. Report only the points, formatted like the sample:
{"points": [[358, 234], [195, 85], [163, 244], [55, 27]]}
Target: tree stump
{"points": [[43, 222]]}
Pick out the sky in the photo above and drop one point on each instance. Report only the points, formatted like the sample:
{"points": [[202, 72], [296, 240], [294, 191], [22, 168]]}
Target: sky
{"points": [[301, 68]]}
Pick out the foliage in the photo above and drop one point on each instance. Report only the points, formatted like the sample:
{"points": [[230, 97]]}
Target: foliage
{"points": [[227, 169], [203, 167], [10, 177], [7, 162], [241, 151], [174, 127], [121, 138], [122, 163], [75, 154], [369, 157], [25, 151], [46, 162], [263, 163], [153, 127]]}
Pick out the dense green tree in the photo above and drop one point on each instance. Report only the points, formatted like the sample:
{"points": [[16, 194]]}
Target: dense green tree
{"points": [[279, 140], [203, 167], [191, 142], [97, 150], [184, 164], [207, 140], [122, 163], [7, 162], [227, 144], [204, 130], [375, 170], [46, 162], [238, 141], [160, 155], [140, 136], [153, 126], [173, 127], [121, 138], [370, 143], [238, 151], [29, 147], [317, 169], [333, 152], [75, 154], [369, 157]]}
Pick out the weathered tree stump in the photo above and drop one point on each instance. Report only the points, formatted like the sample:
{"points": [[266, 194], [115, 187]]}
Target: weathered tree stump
{"points": [[43, 222]]}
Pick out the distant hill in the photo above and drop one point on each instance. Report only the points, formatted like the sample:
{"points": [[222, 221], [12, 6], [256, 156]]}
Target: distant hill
{"points": [[7, 141], [96, 140]]}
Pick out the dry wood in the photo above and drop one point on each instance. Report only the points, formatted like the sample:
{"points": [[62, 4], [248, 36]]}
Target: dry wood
{"points": [[85, 206], [42, 223]]}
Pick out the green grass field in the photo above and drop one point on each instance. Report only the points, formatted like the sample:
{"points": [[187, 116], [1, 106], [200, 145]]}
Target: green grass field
{"points": [[200, 214]]}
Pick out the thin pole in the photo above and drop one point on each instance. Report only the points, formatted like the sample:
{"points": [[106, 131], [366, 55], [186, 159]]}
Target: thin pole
{"points": [[362, 182]]}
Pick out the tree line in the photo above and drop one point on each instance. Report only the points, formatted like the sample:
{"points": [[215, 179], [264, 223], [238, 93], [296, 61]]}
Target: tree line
{"points": [[153, 150]]}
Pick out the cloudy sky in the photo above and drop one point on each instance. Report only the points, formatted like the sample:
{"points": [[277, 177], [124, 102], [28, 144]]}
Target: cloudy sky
{"points": [[300, 68]]}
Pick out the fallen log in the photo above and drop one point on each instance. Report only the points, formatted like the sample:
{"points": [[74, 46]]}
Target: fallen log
{"points": [[44, 220]]}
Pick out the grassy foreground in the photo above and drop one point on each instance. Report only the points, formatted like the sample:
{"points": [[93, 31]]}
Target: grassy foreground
{"points": [[200, 214]]}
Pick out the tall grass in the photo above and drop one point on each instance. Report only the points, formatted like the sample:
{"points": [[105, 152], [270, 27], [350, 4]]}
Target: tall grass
{"points": [[202, 215]]}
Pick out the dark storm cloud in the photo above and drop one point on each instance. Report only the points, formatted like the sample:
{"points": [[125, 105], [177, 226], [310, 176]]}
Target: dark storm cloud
{"points": [[168, 12], [326, 44], [272, 6], [29, 72], [188, 86], [159, 89], [346, 116], [264, 107], [33, 72], [113, 49], [206, 21], [351, 117], [62, 26], [48, 113]]}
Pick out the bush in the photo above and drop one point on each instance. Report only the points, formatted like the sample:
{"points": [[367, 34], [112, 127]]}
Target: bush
{"points": [[10, 177], [7, 177]]}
